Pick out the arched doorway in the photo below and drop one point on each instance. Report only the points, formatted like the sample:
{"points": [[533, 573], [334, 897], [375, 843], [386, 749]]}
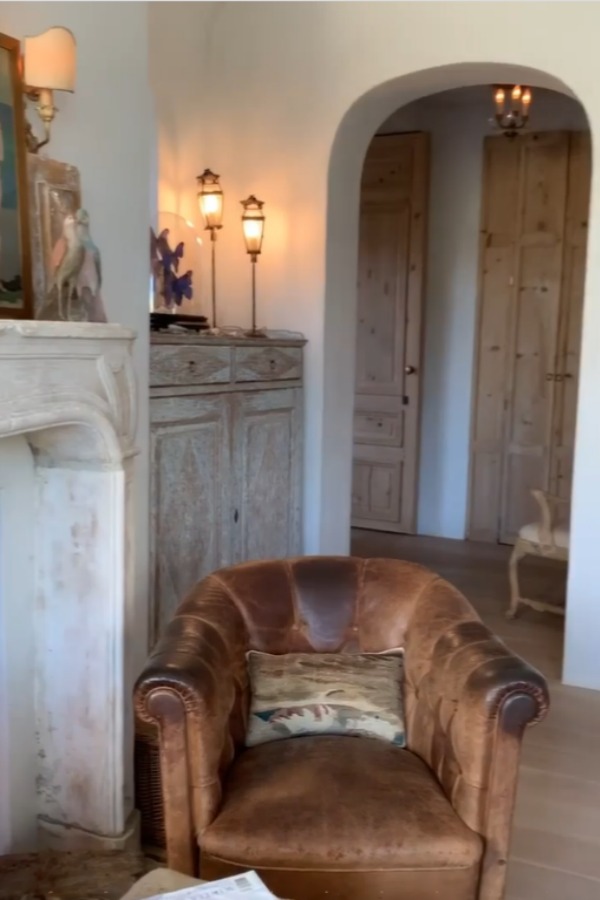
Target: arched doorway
{"points": [[352, 139]]}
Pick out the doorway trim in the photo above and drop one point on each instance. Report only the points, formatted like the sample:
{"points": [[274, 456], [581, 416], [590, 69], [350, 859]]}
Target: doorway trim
{"points": [[352, 139]]}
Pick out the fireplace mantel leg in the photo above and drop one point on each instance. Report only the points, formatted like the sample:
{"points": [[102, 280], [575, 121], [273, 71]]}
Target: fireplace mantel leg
{"points": [[83, 603]]}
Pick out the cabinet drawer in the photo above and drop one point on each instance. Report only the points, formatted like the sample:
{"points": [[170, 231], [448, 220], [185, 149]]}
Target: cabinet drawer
{"points": [[267, 363], [189, 365]]}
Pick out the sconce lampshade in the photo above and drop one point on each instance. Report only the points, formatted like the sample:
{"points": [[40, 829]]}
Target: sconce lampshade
{"points": [[51, 60], [253, 224], [210, 199]]}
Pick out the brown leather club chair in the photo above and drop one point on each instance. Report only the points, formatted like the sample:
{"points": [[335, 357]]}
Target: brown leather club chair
{"points": [[341, 818]]}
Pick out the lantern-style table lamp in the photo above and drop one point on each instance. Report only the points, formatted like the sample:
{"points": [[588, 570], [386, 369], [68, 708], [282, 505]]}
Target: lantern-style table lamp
{"points": [[253, 224], [210, 201]]}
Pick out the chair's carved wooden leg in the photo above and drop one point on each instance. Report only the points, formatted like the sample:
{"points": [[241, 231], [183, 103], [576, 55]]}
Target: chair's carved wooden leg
{"points": [[519, 551]]}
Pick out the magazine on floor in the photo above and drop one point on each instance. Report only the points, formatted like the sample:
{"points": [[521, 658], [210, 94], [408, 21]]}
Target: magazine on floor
{"points": [[245, 887]]}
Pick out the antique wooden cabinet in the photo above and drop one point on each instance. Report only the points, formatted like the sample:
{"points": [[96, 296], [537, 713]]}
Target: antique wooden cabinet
{"points": [[226, 458]]}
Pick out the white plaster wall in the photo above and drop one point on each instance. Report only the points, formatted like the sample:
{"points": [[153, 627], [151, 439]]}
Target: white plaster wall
{"points": [[107, 129], [271, 86], [457, 122]]}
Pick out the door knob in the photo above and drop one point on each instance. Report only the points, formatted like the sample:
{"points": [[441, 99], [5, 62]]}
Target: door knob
{"points": [[409, 370]]}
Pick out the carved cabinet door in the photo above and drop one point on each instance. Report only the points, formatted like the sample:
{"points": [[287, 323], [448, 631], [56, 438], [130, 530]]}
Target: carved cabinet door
{"points": [[191, 497], [267, 460]]}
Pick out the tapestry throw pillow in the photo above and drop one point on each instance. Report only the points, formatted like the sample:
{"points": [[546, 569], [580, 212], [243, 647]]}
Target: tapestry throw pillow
{"points": [[299, 694]]}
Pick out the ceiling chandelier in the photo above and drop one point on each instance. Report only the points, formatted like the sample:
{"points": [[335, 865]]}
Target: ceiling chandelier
{"points": [[512, 108]]}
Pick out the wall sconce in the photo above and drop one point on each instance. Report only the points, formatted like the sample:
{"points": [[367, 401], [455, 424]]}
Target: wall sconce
{"points": [[511, 114], [210, 201], [253, 224], [50, 63]]}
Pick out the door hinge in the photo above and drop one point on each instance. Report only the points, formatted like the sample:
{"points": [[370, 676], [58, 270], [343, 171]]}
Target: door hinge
{"points": [[405, 400]]}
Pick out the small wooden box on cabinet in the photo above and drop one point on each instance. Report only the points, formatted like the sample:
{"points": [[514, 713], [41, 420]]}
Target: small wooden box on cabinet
{"points": [[226, 458]]}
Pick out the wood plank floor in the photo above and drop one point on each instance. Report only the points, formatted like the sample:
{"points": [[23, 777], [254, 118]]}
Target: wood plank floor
{"points": [[556, 838]]}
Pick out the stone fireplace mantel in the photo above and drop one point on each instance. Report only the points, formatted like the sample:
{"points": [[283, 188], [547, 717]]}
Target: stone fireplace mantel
{"points": [[69, 388], [69, 375]]}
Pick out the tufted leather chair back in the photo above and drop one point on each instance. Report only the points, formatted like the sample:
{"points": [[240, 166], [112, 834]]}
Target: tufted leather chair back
{"points": [[303, 605], [325, 604]]}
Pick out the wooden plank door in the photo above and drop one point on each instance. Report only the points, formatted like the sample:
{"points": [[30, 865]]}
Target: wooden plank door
{"points": [[497, 252], [267, 474], [535, 320], [533, 245], [388, 367], [567, 369]]}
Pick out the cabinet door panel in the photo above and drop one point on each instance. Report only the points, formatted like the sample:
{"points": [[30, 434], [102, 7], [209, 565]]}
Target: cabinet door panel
{"points": [[267, 472], [190, 496]]}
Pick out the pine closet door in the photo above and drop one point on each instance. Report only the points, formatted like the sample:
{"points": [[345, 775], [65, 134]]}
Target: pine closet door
{"points": [[573, 283], [388, 364], [532, 262]]}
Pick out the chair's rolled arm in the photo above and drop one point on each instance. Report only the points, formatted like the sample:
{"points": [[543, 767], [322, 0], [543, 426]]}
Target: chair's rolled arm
{"points": [[192, 662], [496, 675], [193, 690], [465, 691]]}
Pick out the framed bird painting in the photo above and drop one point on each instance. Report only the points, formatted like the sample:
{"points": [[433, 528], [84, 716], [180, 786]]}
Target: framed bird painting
{"points": [[16, 295], [54, 194]]}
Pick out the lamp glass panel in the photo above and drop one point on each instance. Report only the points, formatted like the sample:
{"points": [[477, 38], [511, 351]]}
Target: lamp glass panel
{"points": [[211, 207], [253, 233]]}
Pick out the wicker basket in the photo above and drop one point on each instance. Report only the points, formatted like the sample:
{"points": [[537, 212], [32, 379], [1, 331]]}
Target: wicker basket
{"points": [[148, 790]]}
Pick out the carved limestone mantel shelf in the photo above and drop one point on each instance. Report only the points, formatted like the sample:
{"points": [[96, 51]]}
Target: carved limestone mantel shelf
{"points": [[69, 374], [69, 388]]}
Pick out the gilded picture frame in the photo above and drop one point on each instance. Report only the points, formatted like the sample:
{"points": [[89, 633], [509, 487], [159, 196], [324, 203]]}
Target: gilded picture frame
{"points": [[16, 289]]}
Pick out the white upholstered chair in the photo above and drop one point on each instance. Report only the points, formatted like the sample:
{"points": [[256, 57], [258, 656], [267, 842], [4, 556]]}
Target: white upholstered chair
{"points": [[545, 537]]}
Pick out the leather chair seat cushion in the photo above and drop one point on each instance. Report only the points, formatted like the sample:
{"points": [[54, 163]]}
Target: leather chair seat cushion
{"points": [[336, 802]]}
